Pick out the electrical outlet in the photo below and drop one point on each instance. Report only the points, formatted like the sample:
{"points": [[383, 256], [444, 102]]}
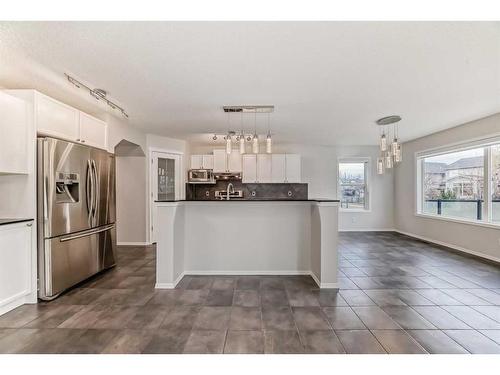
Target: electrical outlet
{"points": [[353, 220]]}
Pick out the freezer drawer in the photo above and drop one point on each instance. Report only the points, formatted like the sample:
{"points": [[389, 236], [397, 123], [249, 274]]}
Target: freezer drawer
{"points": [[70, 259]]}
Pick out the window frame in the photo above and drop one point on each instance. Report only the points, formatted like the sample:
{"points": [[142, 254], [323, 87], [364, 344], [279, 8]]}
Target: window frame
{"points": [[367, 161], [481, 142]]}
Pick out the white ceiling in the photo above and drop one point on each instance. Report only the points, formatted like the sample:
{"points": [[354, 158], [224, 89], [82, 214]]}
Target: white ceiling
{"points": [[329, 81]]}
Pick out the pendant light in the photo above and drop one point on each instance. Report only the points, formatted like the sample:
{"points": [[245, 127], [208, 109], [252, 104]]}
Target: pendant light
{"points": [[242, 136], [380, 165], [229, 145], [390, 153], [255, 139], [383, 141], [269, 141]]}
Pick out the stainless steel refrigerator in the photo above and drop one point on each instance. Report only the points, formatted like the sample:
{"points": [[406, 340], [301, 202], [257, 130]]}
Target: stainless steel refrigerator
{"points": [[76, 214]]}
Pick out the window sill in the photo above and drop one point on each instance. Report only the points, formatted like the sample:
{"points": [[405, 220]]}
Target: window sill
{"points": [[357, 210], [459, 221]]}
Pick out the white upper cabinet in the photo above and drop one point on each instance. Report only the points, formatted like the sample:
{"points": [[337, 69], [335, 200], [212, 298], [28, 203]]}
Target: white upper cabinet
{"points": [[59, 120], [207, 162], [293, 168], [202, 162], [249, 164], [196, 161], [264, 168], [235, 163], [14, 139], [93, 132], [56, 119], [220, 161], [278, 168]]}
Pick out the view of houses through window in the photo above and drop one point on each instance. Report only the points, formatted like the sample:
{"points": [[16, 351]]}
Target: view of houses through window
{"points": [[453, 184], [352, 184]]}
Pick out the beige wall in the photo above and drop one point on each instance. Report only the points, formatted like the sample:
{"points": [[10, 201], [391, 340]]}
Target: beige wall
{"points": [[472, 238], [319, 170]]}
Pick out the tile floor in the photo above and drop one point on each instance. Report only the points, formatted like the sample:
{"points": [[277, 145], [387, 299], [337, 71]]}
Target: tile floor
{"points": [[397, 295]]}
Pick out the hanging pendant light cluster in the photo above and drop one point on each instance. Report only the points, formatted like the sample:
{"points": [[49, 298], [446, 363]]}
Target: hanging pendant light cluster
{"points": [[390, 151], [241, 138]]}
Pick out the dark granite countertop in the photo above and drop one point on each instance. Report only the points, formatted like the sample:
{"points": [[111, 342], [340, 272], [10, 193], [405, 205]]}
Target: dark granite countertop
{"points": [[12, 221], [252, 200]]}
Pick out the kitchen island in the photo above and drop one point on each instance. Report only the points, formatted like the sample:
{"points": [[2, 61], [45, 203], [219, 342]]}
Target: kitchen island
{"points": [[246, 237]]}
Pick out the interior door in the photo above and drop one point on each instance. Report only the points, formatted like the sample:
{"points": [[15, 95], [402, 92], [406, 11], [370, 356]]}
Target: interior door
{"points": [[165, 180]]}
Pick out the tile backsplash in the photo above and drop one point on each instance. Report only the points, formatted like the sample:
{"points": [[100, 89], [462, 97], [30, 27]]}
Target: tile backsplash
{"points": [[250, 191]]}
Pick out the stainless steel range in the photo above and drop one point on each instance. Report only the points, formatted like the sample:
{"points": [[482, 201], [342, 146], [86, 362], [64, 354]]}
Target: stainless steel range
{"points": [[76, 214]]}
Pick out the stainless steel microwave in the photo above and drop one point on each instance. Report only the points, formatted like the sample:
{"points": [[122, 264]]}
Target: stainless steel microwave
{"points": [[201, 176]]}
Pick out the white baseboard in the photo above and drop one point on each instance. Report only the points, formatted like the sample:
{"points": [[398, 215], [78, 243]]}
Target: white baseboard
{"points": [[369, 230], [133, 243], [451, 246], [247, 273]]}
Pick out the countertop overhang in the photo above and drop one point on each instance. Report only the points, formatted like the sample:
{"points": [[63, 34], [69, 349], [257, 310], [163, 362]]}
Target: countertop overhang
{"points": [[13, 221], [317, 200]]}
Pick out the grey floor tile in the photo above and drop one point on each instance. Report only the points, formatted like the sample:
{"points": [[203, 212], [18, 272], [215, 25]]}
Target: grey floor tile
{"points": [[200, 282], [360, 342], [466, 297], [251, 342], [487, 295], [492, 334], [180, 318], [472, 318], [413, 298], [436, 282], [492, 312], [205, 342], [474, 341], [219, 298], [356, 298], [302, 298], [272, 283], [278, 318], [246, 298], [385, 297], [224, 283], [398, 342], [342, 318], [194, 297], [148, 317], [282, 342], [167, 341], [17, 340], [21, 316], [321, 342], [407, 318], [439, 297], [274, 298], [129, 342], [213, 318], [437, 342], [330, 298], [440, 318], [248, 282], [53, 341], [310, 319], [375, 318], [245, 318]]}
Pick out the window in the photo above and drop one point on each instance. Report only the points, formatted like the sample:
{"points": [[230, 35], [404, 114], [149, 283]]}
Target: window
{"points": [[461, 184], [352, 183]]}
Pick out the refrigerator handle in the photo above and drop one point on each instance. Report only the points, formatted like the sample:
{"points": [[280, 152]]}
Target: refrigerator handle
{"points": [[96, 190], [86, 233], [89, 190]]}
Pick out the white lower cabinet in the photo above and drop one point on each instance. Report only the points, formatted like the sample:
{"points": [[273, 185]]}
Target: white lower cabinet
{"points": [[16, 265]]}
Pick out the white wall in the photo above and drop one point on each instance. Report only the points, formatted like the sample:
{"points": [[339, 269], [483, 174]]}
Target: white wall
{"points": [[319, 171], [472, 238]]}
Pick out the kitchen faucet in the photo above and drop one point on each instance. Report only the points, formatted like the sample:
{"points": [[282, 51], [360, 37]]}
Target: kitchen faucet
{"points": [[230, 190]]}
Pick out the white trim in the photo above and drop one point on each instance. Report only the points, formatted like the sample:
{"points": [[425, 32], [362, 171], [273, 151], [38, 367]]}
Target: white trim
{"points": [[353, 210], [315, 278], [451, 246], [368, 182], [133, 243], [329, 286], [166, 151], [247, 273], [165, 286], [367, 230], [476, 142], [459, 220]]}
